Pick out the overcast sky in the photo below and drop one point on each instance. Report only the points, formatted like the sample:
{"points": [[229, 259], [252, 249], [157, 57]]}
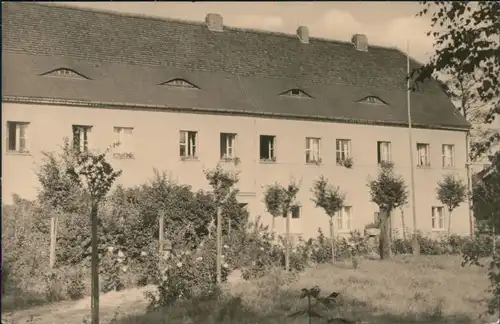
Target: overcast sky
{"points": [[385, 23]]}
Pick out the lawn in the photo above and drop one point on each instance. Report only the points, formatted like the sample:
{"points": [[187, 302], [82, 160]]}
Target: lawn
{"points": [[429, 289]]}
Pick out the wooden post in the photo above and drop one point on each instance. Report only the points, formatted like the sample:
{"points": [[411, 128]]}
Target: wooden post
{"points": [[53, 240], [287, 247], [94, 266], [219, 247]]}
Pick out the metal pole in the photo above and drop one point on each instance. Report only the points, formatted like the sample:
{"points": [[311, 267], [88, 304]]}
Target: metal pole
{"points": [[161, 238], [415, 247], [94, 266], [219, 247], [287, 248]]}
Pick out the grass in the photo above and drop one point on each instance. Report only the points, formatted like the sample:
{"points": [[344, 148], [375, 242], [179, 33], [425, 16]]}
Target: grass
{"points": [[430, 289]]}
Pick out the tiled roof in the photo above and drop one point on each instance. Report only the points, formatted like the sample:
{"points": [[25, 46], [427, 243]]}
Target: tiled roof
{"points": [[126, 57]]}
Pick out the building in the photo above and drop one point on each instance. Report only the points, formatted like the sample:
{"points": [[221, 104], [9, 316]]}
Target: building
{"points": [[181, 96]]}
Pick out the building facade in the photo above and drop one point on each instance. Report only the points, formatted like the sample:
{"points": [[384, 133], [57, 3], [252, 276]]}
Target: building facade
{"points": [[183, 97]]}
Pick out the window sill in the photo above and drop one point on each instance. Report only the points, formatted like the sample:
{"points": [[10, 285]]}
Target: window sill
{"points": [[439, 230], [235, 160], [189, 159], [423, 166], [18, 153], [451, 167], [318, 163], [268, 161]]}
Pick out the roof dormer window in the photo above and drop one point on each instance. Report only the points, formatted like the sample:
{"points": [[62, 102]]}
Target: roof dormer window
{"points": [[65, 73], [181, 83], [373, 100], [296, 93]]}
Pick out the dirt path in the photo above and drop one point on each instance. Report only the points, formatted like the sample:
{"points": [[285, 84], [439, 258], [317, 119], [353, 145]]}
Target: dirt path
{"points": [[126, 302]]}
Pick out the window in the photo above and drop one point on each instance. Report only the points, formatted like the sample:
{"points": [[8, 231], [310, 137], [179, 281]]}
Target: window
{"points": [[437, 218], [267, 148], [383, 152], [313, 150], [423, 155], [295, 212], [65, 73], [179, 83], [344, 219], [124, 136], [296, 93], [372, 100], [448, 156], [81, 137], [17, 137], [343, 150], [187, 143], [227, 143]]}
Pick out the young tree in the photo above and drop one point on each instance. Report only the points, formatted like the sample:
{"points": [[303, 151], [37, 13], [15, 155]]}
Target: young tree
{"points": [[222, 182], [273, 198], [280, 201], [388, 191], [329, 198], [466, 46], [451, 192], [487, 207], [93, 173]]}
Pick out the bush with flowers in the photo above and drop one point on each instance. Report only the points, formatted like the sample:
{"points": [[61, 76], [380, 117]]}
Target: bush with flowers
{"points": [[188, 273]]}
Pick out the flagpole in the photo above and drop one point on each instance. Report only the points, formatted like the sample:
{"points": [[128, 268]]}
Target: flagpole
{"points": [[415, 246]]}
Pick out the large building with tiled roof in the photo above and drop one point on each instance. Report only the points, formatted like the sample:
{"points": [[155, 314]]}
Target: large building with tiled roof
{"points": [[182, 96]]}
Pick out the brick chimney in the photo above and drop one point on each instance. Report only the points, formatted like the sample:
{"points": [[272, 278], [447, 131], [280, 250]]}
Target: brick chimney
{"points": [[360, 42], [303, 34], [214, 22]]}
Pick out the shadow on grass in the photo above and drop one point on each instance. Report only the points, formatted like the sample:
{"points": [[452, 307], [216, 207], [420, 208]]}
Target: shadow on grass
{"points": [[16, 302], [233, 310]]}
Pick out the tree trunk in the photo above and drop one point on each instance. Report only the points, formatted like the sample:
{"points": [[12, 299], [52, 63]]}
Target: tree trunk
{"points": [[273, 222], [287, 247], [384, 240], [332, 239], [449, 222], [53, 240], [403, 224], [161, 237], [95, 265]]}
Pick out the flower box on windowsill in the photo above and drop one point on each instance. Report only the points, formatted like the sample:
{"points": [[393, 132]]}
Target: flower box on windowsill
{"points": [[235, 160], [347, 163], [271, 160], [189, 158], [317, 161], [123, 156]]}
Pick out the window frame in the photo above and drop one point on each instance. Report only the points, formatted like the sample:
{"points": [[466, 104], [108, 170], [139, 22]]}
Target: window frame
{"points": [[190, 144], [379, 152], [310, 157], [271, 148], [340, 219], [83, 137], [438, 219], [296, 212], [427, 162], [228, 144], [451, 157], [342, 155], [124, 150], [19, 138]]}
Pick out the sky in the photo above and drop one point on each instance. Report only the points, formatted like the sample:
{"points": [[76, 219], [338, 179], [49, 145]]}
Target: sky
{"points": [[384, 23]]}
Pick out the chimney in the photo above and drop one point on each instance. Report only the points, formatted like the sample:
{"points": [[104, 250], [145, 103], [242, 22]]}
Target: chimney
{"points": [[214, 22], [360, 42], [303, 34]]}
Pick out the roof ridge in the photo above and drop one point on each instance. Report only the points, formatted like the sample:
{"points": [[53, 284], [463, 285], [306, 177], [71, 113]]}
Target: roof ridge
{"points": [[198, 23]]}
